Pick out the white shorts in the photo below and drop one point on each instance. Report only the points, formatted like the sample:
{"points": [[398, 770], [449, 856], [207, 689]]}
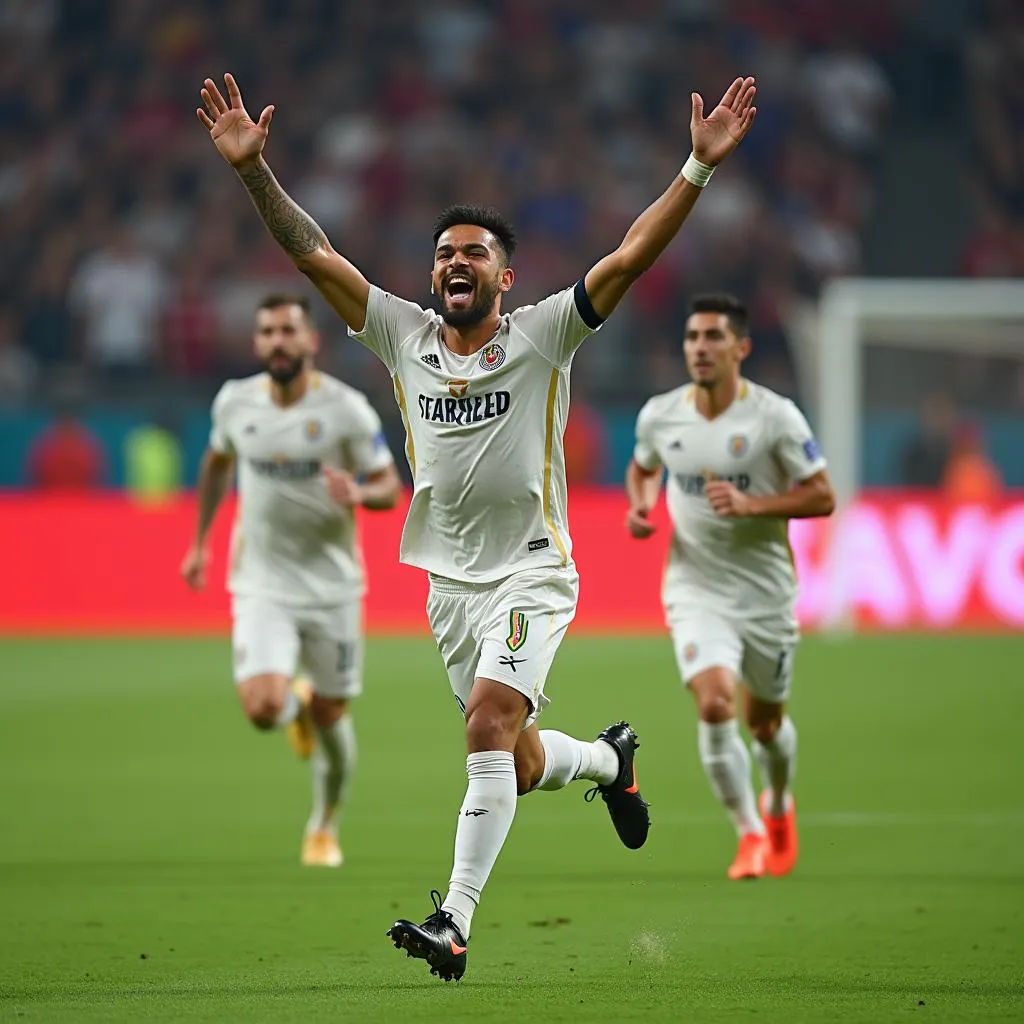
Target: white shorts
{"points": [[327, 643], [705, 639], [508, 631]]}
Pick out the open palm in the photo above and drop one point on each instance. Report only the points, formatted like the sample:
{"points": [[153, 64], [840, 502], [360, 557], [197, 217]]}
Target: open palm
{"points": [[714, 137], [238, 138]]}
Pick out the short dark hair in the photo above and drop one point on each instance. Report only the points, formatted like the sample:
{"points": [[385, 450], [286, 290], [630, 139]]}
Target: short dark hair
{"points": [[485, 217], [275, 300], [722, 302]]}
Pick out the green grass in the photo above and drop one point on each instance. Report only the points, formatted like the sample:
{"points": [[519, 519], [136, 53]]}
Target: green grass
{"points": [[149, 842]]}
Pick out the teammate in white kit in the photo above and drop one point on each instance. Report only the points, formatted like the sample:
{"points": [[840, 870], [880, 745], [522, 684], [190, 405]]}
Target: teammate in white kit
{"points": [[484, 397], [309, 449], [741, 461]]}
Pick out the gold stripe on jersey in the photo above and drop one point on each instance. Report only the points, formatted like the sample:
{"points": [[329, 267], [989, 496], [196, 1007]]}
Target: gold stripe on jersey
{"points": [[549, 439], [410, 450], [744, 388], [237, 547]]}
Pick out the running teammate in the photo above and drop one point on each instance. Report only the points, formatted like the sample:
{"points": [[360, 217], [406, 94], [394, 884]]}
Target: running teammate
{"points": [[309, 450], [741, 461]]}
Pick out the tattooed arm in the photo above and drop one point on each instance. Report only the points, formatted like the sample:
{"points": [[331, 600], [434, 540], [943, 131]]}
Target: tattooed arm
{"points": [[240, 141]]}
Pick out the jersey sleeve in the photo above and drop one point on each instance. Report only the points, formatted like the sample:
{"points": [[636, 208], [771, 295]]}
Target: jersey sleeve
{"points": [[389, 321], [645, 452], [366, 447], [559, 324], [220, 440], [795, 446]]}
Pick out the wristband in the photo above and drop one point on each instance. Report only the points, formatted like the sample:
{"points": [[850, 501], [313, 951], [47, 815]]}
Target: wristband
{"points": [[695, 172]]}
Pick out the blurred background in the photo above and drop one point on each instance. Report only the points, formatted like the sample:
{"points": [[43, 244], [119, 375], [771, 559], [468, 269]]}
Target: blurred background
{"points": [[889, 144]]}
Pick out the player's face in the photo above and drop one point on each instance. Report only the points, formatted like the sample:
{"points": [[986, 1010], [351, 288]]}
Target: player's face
{"points": [[469, 274], [713, 350], [285, 341]]}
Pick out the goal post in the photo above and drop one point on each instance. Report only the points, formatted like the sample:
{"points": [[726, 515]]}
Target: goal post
{"points": [[981, 318]]}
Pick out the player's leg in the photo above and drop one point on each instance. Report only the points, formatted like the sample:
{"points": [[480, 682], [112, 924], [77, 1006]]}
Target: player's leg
{"points": [[443, 937], [332, 652], [266, 649], [767, 674], [709, 654]]}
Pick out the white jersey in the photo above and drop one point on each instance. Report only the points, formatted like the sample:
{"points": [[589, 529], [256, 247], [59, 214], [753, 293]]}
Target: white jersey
{"points": [[483, 434], [291, 542], [740, 567]]}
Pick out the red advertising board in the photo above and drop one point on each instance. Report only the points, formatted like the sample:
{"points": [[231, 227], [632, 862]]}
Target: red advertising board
{"points": [[105, 564]]}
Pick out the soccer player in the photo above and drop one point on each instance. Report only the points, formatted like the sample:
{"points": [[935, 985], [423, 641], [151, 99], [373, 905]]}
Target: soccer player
{"points": [[484, 397], [741, 461], [309, 450]]}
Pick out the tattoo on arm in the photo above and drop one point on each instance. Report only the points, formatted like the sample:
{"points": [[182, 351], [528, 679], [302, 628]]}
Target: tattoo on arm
{"points": [[295, 231]]}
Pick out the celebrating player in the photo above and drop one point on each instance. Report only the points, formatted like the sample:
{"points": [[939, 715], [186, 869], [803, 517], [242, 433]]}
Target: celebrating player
{"points": [[309, 451], [741, 461], [484, 397]]}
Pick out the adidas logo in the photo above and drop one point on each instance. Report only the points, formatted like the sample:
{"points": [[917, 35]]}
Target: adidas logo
{"points": [[676, 446], [431, 360]]}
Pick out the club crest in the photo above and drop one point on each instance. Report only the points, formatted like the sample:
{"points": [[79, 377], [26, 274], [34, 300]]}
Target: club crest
{"points": [[518, 625], [689, 652], [491, 356]]}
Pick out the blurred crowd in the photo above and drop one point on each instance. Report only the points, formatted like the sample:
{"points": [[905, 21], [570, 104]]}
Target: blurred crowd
{"points": [[132, 259]]}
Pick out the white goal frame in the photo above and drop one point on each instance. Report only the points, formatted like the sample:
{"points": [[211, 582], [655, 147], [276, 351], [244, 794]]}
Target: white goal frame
{"points": [[933, 315]]}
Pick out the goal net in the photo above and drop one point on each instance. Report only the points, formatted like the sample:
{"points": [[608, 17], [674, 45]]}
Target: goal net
{"points": [[882, 363]]}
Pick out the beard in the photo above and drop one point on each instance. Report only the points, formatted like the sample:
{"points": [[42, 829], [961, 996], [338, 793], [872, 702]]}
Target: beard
{"points": [[479, 309], [283, 368]]}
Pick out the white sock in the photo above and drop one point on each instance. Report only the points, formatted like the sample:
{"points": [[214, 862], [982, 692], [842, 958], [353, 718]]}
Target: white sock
{"points": [[727, 766], [290, 709], [777, 761], [567, 759], [333, 763], [484, 820]]}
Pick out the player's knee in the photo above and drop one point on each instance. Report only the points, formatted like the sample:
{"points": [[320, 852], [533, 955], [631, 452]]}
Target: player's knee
{"points": [[327, 710], [764, 730], [715, 707], [490, 728], [264, 713]]}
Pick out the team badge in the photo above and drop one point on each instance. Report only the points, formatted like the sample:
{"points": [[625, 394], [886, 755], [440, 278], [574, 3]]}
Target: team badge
{"points": [[314, 428], [689, 652], [457, 387], [738, 445], [518, 624], [240, 655], [491, 356]]}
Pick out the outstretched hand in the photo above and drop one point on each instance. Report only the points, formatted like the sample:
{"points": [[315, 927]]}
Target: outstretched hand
{"points": [[238, 138], [714, 137]]}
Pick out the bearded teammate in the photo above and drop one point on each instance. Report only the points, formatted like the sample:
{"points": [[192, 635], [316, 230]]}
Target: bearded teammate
{"points": [[741, 461], [302, 442], [484, 398]]}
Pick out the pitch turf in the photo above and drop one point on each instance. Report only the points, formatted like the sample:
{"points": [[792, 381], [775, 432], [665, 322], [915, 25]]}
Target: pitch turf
{"points": [[149, 843]]}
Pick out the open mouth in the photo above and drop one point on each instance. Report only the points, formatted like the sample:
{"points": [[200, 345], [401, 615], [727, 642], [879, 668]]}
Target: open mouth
{"points": [[458, 287]]}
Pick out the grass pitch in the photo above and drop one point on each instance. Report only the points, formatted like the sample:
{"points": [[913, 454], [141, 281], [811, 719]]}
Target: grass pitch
{"points": [[149, 845]]}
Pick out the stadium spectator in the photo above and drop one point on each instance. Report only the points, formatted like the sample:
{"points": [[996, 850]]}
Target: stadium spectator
{"points": [[970, 475], [18, 369], [66, 456], [924, 460]]}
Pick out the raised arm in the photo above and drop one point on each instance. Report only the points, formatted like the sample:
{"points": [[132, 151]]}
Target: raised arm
{"points": [[240, 140], [713, 138]]}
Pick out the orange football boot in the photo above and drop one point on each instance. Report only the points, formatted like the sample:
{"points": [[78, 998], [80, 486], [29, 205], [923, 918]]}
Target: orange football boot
{"points": [[320, 849], [781, 837], [751, 857]]}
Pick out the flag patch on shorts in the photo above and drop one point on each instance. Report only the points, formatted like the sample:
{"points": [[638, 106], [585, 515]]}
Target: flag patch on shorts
{"points": [[518, 624]]}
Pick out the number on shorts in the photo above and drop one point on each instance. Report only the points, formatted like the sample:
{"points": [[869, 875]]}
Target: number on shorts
{"points": [[783, 666], [346, 657]]}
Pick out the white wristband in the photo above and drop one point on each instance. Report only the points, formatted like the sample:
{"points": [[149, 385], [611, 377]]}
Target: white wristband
{"points": [[695, 172]]}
